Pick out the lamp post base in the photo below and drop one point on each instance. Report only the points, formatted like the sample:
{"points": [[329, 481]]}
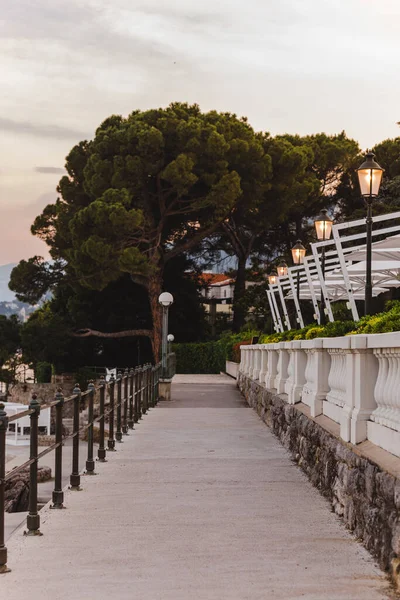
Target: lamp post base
{"points": [[165, 389]]}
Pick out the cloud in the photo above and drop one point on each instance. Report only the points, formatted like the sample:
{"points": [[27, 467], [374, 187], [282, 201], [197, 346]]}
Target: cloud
{"points": [[49, 170], [41, 129]]}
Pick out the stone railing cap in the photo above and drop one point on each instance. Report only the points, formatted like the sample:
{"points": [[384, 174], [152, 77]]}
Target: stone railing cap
{"points": [[358, 341], [342, 342], [296, 344], [315, 343], [384, 340]]}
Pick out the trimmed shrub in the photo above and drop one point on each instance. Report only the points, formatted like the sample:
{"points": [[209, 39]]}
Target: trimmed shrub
{"points": [[199, 358]]}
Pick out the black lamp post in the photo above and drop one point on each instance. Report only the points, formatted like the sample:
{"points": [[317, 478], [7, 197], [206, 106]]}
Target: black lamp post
{"points": [[298, 254], [165, 300], [369, 177], [323, 228]]}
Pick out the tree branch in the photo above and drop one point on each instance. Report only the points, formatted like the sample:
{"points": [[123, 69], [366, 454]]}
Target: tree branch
{"points": [[203, 233], [82, 333]]}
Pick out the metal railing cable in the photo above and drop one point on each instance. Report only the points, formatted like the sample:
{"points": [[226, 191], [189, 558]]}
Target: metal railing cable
{"points": [[130, 395]]}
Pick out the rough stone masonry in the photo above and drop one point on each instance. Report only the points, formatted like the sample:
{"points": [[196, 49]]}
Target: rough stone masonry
{"points": [[365, 496]]}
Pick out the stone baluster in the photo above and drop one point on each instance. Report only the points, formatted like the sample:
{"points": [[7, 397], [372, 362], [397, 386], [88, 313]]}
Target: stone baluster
{"points": [[272, 366], [290, 369], [337, 397], [250, 364], [362, 374], [282, 368], [383, 429], [257, 362], [316, 375], [264, 363], [296, 371]]}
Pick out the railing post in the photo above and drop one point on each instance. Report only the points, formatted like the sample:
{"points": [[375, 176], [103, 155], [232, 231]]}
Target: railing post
{"points": [[118, 435], [152, 403], [75, 477], [3, 431], [33, 518], [101, 452], [111, 440], [90, 460], [131, 400], [157, 382], [139, 391], [125, 414], [58, 494], [144, 388]]}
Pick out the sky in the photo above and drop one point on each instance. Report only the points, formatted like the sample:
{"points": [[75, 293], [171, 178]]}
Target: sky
{"points": [[296, 66]]}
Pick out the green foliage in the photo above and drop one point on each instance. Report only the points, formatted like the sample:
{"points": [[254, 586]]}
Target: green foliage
{"points": [[387, 321], [384, 322], [32, 278], [43, 372], [10, 339], [207, 357], [229, 341]]}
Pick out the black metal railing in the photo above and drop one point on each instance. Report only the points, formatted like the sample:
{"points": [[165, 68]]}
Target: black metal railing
{"points": [[131, 395]]}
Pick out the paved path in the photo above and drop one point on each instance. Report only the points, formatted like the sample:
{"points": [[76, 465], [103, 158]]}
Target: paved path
{"points": [[201, 503]]}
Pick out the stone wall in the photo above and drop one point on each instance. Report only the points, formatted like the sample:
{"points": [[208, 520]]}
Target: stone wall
{"points": [[365, 496], [22, 393]]}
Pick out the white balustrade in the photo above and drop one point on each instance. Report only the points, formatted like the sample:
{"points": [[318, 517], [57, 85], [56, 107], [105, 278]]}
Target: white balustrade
{"points": [[353, 380]]}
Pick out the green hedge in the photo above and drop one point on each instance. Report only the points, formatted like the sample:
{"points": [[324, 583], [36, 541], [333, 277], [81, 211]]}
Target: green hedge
{"points": [[207, 357], [385, 322]]}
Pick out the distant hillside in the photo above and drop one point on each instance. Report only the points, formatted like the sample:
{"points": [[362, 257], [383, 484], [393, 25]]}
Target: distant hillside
{"points": [[15, 307]]}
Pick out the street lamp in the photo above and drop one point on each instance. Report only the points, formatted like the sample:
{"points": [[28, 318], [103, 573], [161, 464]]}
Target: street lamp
{"points": [[369, 177], [323, 228], [282, 269], [165, 300], [170, 339], [272, 278], [298, 254]]}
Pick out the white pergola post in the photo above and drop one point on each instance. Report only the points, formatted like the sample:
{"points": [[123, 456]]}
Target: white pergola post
{"points": [[324, 289], [312, 291], [272, 309], [295, 298], [278, 316], [283, 304], [345, 274]]}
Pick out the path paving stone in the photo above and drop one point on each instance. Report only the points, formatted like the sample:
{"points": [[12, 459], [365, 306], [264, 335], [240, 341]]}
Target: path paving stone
{"points": [[200, 503]]}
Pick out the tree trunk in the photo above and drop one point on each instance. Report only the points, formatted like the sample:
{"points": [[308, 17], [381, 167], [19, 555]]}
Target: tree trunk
{"points": [[239, 311], [155, 288]]}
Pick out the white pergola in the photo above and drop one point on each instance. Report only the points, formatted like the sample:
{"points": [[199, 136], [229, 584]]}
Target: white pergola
{"points": [[345, 270]]}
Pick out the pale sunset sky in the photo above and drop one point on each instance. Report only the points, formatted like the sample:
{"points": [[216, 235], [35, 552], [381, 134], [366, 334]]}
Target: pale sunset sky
{"points": [[297, 66]]}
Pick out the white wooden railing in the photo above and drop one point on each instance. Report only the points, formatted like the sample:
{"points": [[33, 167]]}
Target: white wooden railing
{"points": [[353, 380]]}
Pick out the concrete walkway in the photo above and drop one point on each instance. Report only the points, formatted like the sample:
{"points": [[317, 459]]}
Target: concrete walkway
{"points": [[200, 503]]}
